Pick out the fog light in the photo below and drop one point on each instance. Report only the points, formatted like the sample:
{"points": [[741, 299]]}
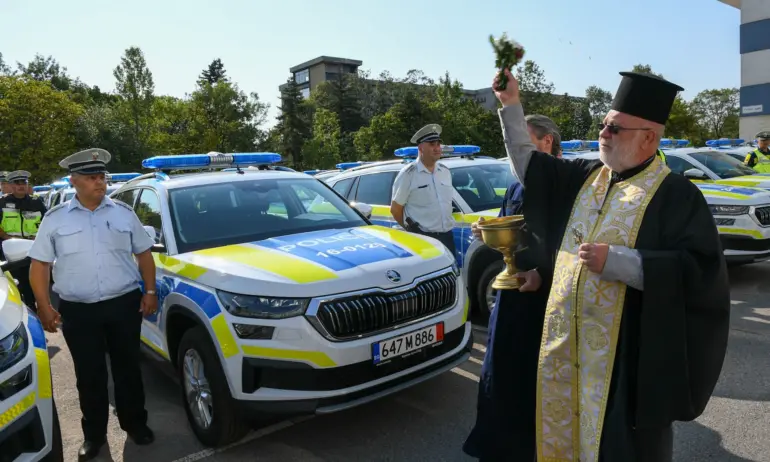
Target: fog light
{"points": [[16, 383], [253, 332], [724, 221]]}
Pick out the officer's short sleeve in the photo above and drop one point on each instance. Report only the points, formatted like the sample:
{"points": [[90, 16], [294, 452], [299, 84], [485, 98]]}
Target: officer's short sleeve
{"points": [[43, 248], [140, 240], [401, 186]]}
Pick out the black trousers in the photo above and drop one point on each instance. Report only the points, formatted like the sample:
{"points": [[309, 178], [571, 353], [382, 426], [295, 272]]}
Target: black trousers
{"points": [[446, 238], [91, 330]]}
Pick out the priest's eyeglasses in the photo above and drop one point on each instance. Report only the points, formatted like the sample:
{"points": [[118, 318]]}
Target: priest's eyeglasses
{"points": [[615, 129]]}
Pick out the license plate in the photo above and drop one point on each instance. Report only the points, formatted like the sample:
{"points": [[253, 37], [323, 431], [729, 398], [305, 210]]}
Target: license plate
{"points": [[407, 343]]}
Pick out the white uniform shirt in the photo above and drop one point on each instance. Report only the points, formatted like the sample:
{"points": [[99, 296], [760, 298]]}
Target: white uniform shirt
{"points": [[426, 196], [93, 250]]}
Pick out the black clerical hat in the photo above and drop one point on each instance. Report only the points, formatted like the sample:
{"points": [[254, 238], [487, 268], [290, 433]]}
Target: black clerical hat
{"points": [[646, 96]]}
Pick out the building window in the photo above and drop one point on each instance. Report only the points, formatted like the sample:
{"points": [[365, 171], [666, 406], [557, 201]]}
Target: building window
{"points": [[305, 92], [332, 75], [302, 76]]}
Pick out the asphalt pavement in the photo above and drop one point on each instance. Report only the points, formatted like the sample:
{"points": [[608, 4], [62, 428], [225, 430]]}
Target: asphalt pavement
{"points": [[431, 420]]}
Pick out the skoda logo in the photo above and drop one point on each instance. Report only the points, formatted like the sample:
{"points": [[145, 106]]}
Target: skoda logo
{"points": [[393, 276]]}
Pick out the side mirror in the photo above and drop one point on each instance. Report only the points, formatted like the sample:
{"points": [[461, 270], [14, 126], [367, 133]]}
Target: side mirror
{"points": [[365, 209], [16, 251], [158, 248], [695, 173]]}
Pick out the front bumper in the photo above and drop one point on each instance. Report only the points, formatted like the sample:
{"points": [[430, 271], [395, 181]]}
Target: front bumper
{"points": [[341, 388], [745, 241]]}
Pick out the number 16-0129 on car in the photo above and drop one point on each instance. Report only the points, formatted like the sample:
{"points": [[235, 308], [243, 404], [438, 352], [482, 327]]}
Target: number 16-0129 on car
{"points": [[407, 343]]}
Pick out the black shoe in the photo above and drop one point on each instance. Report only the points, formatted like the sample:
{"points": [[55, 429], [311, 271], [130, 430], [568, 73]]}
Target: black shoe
{"points": [[142, 436], [89, 450]]}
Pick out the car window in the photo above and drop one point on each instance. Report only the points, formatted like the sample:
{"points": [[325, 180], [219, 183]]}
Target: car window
{"points": [[148, 211], [214, 215], [722, 165], [376, 188], [343, 186], [69, 195], [483, 186], [127, 197], [678, 165]]}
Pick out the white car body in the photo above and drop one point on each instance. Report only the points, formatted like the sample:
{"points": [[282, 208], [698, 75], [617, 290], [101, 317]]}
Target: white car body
{"points": [[322, 360]]}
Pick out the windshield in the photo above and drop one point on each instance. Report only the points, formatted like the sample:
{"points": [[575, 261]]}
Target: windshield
{"points": [[722, 165], [483, 186], [244, 211]]}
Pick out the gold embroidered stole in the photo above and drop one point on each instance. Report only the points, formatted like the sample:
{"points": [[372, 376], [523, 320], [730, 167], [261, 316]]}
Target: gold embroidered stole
{"points": [[582, 320]]}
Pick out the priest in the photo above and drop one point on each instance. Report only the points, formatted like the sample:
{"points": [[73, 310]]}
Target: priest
{"points": [[637, 319]]}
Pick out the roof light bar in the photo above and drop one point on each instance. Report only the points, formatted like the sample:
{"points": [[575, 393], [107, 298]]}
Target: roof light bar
{"points": [[446, 150], [121, 177], [721, 142], [579, 145], [210, 160], [349, 165], [41, 188]]}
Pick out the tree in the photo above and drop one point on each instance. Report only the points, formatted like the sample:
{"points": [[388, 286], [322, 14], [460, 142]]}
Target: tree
{"points": [[214, 73], [536, 91], [645, 69], [135, 86], [599, 102], [103, 126], [293, 124], [323, 149], [683, 123], [46, 70], [225, 119], [36, 126], [715, 108], [5, 69]]}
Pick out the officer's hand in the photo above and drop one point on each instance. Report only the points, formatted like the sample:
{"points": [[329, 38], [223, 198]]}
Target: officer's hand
{"points": [[49, 318], [149, 304], [510, 95], [530, 280], [594, 256], [475, 228]]}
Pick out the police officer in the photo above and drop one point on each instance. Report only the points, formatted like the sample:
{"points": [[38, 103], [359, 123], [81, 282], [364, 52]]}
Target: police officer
{"points": [[21, 216], [93, 240], [422, 191], [763, 148], [5, 187]]}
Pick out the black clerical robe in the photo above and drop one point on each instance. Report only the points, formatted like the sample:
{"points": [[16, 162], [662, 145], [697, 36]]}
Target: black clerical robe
{"points": [[673, 334], [505, 426]]}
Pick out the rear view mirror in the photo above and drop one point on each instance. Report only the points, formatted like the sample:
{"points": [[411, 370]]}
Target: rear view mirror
{"points": [[365, 209]]}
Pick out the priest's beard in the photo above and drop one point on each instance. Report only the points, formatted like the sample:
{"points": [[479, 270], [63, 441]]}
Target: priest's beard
{"points": [[619, 156]]}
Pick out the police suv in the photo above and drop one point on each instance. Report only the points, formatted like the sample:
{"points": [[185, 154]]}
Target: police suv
{"points": [[29, 425], [479, 188], [276, 295], [741, 211]]}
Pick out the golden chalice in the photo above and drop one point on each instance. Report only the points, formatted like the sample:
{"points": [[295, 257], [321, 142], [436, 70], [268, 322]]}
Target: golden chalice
{"points": [[505, 235]]}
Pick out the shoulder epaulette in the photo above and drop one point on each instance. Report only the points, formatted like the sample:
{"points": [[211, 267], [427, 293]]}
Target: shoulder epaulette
{"points": [[442, 165], [123, 204]]}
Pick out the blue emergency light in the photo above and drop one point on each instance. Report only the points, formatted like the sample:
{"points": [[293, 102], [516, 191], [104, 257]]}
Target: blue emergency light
{"points": [[349, 165], [41, 188], [448, 150], [724, 142], [577, 145], [312, 172], [210, 160], [60, 184], [682, 143], [121, 177]]}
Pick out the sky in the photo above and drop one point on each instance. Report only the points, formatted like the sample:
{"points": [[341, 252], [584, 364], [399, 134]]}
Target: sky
{"points": [[578, 43]]}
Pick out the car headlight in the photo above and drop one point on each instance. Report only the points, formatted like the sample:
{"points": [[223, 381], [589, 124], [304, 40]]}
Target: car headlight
{"points": [[729, 209], [252, 306], [13, 347]]}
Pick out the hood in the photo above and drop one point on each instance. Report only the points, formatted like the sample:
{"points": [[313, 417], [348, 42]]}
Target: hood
{"points": [[721, 194], [11, 309], [315, 263], [474, 217], [752, 181]]}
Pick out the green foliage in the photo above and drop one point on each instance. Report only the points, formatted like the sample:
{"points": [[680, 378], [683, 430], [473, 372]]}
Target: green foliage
{"points": [[46, 114]]}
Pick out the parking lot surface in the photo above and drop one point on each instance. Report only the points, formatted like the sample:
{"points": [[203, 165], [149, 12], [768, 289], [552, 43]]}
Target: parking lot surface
{"points": [[431, 420]]}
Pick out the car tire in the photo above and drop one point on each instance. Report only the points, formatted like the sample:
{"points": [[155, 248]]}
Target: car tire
{"points": [[484, 286], [226, 423], [57, 446]]}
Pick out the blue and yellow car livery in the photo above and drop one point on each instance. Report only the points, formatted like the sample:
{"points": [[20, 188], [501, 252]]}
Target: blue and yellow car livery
{"points": [[290, 298]]}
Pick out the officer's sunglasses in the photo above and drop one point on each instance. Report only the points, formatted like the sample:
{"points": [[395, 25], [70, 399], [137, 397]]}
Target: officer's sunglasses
{"points": [[615, 129]]}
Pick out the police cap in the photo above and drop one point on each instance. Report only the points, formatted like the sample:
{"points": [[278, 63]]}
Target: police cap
{"points": [[87, 162], [20, 176], [763, 135], [430, 132]]}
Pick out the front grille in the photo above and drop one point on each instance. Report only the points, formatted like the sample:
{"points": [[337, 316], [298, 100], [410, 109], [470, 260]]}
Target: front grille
{"points": [[373, 312], [763, 215]]}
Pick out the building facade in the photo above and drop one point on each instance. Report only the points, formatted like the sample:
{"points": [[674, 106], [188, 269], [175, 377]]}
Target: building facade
{"points": [[755, 65]]}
